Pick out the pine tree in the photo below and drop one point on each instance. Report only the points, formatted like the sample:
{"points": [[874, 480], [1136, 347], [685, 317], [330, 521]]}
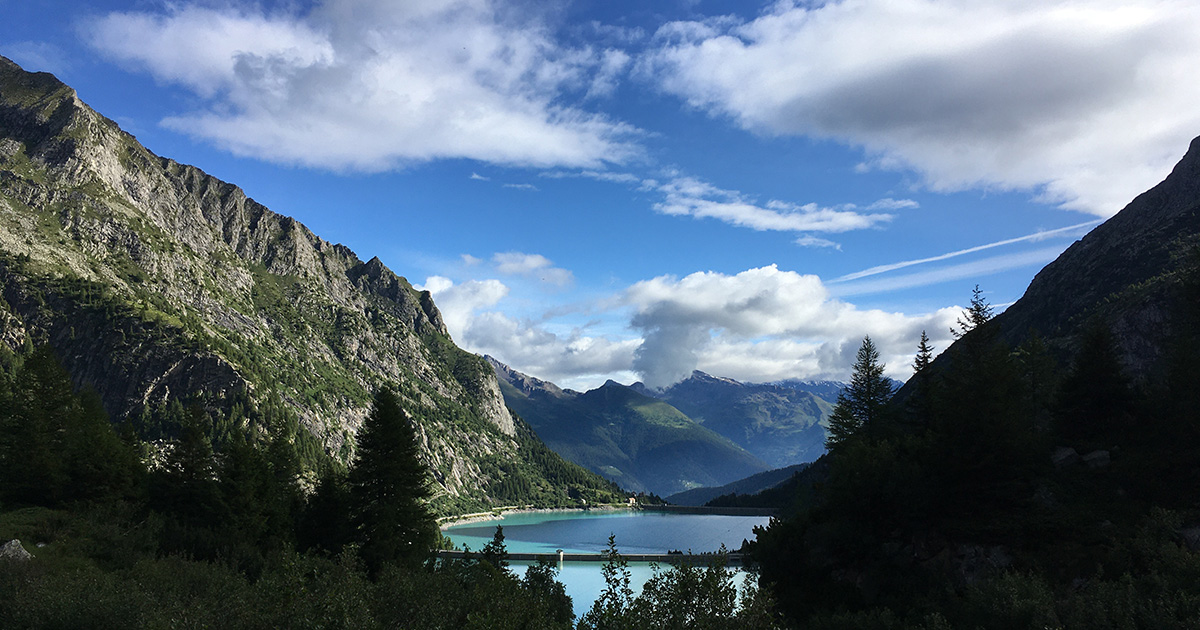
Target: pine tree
{"points": [[924, 354], [389, 488], [976, 315], [861, 405], [495, 553]]}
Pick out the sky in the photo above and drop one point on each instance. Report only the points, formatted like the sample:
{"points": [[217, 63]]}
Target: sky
{"points": [[633, 190]]}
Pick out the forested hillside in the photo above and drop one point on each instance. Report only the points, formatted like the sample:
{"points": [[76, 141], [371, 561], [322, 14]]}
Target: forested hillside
{"points": [[1018, 481]]}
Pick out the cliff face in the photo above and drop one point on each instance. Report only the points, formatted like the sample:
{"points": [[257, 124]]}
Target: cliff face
{"points": [[153, 280], [1129, 271]]}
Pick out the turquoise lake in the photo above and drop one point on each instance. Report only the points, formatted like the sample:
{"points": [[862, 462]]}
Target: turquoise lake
{"points": [[587, 532]]}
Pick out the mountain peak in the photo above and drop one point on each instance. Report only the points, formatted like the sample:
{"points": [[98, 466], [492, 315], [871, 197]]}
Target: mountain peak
{"points": [[1122, 270]]}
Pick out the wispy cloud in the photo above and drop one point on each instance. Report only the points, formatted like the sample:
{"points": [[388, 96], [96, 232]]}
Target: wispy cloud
{"points": [[530, 187], [688, 196], [973, 269], [1036, 236], [532, 265], [812, 241]]}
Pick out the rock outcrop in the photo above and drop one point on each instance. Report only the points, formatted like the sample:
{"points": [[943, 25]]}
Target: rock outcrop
{"points": [[154, 281]]}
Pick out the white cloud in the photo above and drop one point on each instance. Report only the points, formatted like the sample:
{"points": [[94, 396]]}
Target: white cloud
{"points": [[371, 85], [532, 265], [458, 302], [1086, 103], [570, 360], [529, 187], [809, 240], [689, 196], [763, 324]]}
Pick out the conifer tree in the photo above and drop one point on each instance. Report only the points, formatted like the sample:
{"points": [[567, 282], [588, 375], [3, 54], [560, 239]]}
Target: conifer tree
{"points": [[389, 487], [924, 354], [920, 403], [861, 405], [976, 315]]}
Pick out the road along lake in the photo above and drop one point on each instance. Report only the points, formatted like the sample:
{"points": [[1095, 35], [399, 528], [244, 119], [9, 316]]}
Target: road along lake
{"points": [[586, 532]]}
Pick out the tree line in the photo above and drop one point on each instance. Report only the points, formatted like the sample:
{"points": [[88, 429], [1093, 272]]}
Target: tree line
{"points": [[999, 489]]}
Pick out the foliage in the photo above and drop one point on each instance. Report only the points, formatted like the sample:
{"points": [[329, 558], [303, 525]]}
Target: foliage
{"points": [[861, 406], [977, 314], [681, 597], [388, 488], [953, 516]]}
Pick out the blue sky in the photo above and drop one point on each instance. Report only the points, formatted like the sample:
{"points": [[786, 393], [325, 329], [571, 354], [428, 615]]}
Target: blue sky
{"points": [[634, 190]]}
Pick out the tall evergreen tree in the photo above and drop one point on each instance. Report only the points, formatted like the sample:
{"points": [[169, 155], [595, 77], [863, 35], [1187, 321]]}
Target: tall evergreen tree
{"points": [[861, 405], [1096, 398], [389, 488], [924, 354], [920, 402], [976, 315]]}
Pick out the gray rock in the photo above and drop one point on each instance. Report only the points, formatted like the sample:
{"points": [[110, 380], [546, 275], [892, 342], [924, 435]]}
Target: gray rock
{"points": [[12, 550], [1097, 459], [1191, 537], [1064, 456]]}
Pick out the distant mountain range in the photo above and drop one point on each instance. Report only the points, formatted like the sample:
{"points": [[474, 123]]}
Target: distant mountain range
{"points": [[782, 424], [753, 484], [702, 432]]}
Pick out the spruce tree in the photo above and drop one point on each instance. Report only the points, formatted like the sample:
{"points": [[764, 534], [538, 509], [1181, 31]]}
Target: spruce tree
{"points": [[861, 405], [924, 354], [976, 315], [389, 488]]}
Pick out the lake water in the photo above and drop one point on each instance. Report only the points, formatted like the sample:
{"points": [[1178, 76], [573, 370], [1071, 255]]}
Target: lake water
{"points": [[636, 532]]}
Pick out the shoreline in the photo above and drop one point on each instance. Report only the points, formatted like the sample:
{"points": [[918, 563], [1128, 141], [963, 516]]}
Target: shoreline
{"points": [[496, 514], [500, 512]]}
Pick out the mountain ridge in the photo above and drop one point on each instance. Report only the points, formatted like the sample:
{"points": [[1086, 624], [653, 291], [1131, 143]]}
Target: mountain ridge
{"points": [[642, 443], [156, 282]]}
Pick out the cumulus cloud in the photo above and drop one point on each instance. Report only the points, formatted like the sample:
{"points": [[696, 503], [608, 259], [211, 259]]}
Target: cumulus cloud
{"points": [[573, 359], [763, 324], [532, 265], [459, 302], [1084, 103], [759, 325], [371, 85], [568, 359]]}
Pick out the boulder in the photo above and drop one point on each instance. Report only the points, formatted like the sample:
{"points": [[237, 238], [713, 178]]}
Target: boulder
{"points": [[12, 550], [1097, 459], [1064, 456]]}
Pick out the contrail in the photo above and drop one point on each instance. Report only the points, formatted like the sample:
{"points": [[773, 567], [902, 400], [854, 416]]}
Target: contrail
{"points": [[970, 250]]}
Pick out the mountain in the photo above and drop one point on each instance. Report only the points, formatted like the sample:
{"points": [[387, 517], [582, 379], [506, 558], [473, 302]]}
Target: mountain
{"points": [[1128, 271], [781, 424], [1065, 466], [637, 441], [156, 284], [753, 484]]}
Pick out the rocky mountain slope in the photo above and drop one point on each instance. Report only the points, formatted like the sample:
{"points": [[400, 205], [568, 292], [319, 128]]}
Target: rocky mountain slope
{"points": [[1126, 271], [781, 425], [155, 282], [641, 443]]}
